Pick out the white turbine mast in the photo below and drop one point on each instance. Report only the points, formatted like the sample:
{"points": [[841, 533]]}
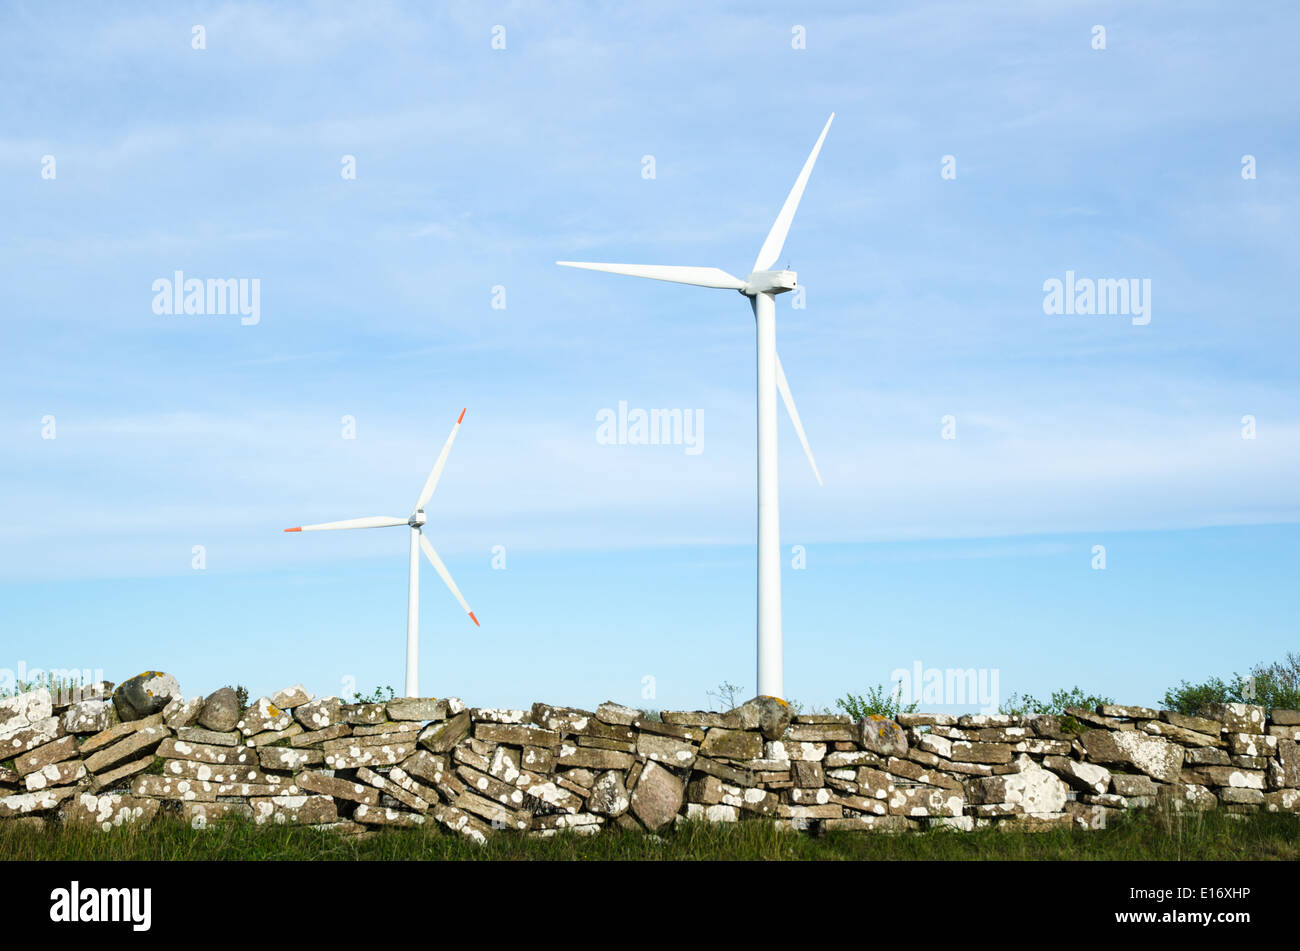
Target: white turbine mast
{"points": [[761, 287], [416, 522]]}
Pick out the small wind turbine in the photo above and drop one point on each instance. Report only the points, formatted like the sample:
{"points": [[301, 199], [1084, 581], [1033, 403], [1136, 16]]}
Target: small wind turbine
{"points": [[418, 541], [761, 287]]}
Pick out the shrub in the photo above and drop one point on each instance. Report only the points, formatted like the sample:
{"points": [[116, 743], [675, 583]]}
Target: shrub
{"points": [[376, 695], [1024, 704], [875, 701], [1272, 686]]}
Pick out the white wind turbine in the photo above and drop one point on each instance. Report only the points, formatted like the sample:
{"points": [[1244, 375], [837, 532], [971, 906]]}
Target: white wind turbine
{"points": [[761, 287], [418, 541]]}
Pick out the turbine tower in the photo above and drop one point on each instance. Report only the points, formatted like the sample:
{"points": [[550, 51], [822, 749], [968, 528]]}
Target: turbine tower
{"points": [[761, 287], [416, 522]]}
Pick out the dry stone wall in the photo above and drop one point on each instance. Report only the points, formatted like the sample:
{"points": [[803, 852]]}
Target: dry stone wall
{"points": [[109, 757]]}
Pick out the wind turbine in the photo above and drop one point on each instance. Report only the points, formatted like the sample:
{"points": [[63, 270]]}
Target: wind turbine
{"points": [[416, 521], [761, 287]]}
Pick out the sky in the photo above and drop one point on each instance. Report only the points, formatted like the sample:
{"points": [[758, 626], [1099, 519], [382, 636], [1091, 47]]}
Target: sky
{"points": [[1049, 500]]}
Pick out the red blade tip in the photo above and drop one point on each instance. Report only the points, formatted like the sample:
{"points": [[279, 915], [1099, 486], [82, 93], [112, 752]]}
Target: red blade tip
{"points": [[474, 619], [462, 416], [298, 529]]}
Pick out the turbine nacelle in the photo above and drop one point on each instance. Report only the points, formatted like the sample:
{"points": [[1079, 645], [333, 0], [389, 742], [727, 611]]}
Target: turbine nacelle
{"points": [[769, 282], [416, 519]]}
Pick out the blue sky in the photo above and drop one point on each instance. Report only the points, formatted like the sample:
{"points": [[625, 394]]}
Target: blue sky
{"points": [[479, 167]]}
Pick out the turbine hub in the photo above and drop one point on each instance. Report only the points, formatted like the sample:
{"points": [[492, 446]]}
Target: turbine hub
{"points": [[769, 282], [417, 519]]}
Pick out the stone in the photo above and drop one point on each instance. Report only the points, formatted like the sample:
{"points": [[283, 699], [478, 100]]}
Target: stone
{"points": [[57, 751], [1249, 744], [671, 751], [516, 734], [391, 788], [498, 815], [197, 734], [288, 759], [220, 711], [1033, 790], [378, 816], [291, 698], [144, 695], [721, 743], [692, 734], [1181, 734], [363, 713], [1153, 755], [1282, 800], [1285, 717], [25, 804], [181, 712], [1128, 713], [771, 716], [700, 718], [421, 709], [1123, 784], [55, 774], [967, 752], [920, 801], [807, 774], [107, 779], [127, 748], [1203, 725], [204, 753], [609, 796], [1205, 757], [592, 758], [25, 709], [199, 814], [355, 756], [1236, 717], [1288, 764], [882, 736], [537, 759], [616, 714], [116, 732], [263, 717], [217, 772], [443, 737], [318, 737], [320, 713], [1085, 777], [326, 785], [713, 813], [86, 716], [455, 820], [267, 737], [1238, 796], [20, 739], [723, 771], [296, 810], [1180, 796], [1231, 777], [108, 811], [657, 796]]}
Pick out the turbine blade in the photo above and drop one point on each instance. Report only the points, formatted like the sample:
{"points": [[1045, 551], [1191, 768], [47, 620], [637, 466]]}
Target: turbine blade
{"points": [[771, 249], [788, 397], [699, 276], [445, 575], [373, 521], [432, 482]]}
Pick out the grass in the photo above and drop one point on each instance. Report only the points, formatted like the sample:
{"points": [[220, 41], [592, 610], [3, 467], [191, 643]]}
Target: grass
{"points": [[1208, 836]]}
